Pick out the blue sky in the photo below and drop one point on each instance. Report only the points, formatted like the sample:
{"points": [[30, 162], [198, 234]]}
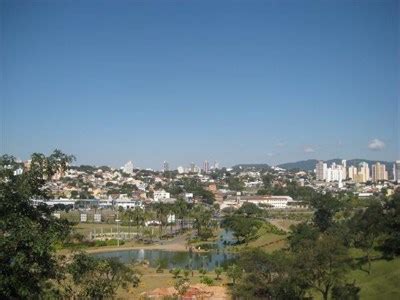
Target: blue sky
{"points": [[232, 81]]}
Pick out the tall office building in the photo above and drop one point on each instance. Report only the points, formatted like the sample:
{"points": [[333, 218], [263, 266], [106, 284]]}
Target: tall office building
{"points": [[165, 166], [192, 167], [379, 172], [320, 170], [206, 166], [352, 172], [364, 172], [396, 171]]}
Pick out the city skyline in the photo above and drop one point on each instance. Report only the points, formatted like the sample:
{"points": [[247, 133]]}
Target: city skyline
{"points": [[149, 82]]}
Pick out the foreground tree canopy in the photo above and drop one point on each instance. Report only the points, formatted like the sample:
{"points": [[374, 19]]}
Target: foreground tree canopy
{"points": [[29, 267]]}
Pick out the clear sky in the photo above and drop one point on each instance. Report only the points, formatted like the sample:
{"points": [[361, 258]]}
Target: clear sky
{"points": [[232, 81]]}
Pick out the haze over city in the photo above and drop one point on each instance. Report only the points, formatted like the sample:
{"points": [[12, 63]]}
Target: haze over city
{"points": [[269, 82]]}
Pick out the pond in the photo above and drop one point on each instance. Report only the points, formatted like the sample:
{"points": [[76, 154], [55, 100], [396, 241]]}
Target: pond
{"points": [[179, 259], [173, 259]]}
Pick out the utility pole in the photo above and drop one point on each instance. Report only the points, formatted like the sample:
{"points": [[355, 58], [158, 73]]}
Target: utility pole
{"points": [[117, 220]]}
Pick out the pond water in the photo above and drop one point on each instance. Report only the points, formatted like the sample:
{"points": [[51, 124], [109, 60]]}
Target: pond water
{"points": [[173, 259], [179, 259]]}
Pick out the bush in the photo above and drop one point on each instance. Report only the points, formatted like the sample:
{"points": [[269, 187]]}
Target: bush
{"points": [[206, 280]]}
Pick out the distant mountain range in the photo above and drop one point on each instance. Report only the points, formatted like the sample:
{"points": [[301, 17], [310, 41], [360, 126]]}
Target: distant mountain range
{"points": [[309, 165]]}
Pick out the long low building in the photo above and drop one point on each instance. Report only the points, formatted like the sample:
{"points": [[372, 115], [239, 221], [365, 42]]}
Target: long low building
{"points": [[277, 202]]}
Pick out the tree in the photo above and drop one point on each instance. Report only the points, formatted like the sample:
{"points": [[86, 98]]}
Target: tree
{"points": [[29, 235], [218, 271], [235, 184], [181, 210], [234, 273], [268, 276], [391, 245], [301, 235], [202, 221], [161, 210], [323, 263], [244, 229], [249, 209], [98, 278], [326, 207], [366, 227]]}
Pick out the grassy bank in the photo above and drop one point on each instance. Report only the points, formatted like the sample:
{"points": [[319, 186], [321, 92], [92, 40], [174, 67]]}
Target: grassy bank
{"points": [[382, 283]]}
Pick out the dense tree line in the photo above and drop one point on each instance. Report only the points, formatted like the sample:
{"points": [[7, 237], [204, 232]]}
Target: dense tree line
{"points": [[317, 257]]}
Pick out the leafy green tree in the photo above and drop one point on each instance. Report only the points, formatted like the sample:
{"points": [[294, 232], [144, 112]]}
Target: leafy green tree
{"points": [[249, 209], [202, 221], [218, 271], [29, 235], [348, 291], [391, 221], [366, 228], [302, 235], [244, 229], [234, 272], [268, 276], [98, 278], [326, 207], [181, 210], [175, 272], [322, 265], [235, 184]]}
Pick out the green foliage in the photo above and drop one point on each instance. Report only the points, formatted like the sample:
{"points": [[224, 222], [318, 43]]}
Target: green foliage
{"points": [[234, 272], [98, 278], [202, 221], [326, 207], [207, 280], [235, 184], [218, 271], [249, 209], [391, 245], [175, 272], [29, 234], [244, 229], [348, 291]]}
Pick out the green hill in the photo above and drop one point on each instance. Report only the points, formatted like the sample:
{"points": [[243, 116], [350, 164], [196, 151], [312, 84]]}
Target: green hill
{"points": [[383, 283]]}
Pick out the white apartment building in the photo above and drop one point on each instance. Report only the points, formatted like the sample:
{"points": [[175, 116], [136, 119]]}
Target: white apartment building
{"points": [[333, 173], [128, 167], [379, 172], [396, 171]]}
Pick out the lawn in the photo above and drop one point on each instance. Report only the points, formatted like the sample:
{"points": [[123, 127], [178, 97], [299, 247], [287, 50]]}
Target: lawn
{"points": [[266, 240], [382, 283]]}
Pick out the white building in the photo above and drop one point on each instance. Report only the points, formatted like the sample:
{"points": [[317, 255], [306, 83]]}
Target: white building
{"points": [[125, 203], [320, 170], [161, 194], [274, 202], [128, 168], [396, 171]]}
